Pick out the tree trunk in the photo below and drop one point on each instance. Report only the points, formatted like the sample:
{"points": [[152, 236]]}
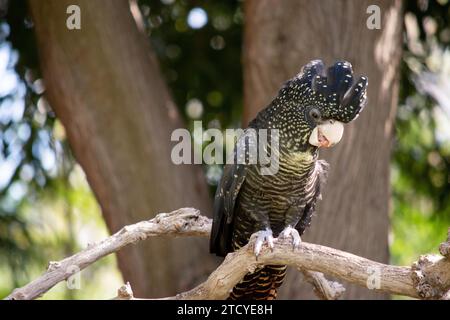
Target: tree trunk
{"points": [[279, 38], [105, 86]]}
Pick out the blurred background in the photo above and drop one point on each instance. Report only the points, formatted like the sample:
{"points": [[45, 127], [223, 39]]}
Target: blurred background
{"points": [[47, 207]]}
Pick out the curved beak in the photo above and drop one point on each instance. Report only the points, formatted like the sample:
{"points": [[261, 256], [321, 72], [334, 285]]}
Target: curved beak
{"points": [[327, 134]]}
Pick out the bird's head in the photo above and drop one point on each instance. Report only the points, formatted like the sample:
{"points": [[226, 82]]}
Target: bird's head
{"points": [[314, 106]]}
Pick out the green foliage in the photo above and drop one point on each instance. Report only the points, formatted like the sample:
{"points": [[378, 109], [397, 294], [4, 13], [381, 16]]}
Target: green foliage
{"points": [[203, 64], [421, 160], [23, 128]]}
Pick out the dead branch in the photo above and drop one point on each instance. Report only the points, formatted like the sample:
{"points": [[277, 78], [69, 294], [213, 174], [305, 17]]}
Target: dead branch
{"points": [[181, 222], [323, 288], [444, 248], [429, 278]]}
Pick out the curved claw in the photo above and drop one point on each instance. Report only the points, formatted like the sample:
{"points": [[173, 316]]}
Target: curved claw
{"points": [[262, 237], [293, 233]]}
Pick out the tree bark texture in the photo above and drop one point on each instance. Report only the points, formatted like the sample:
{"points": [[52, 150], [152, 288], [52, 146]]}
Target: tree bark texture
{"points": [[104, 84], [282, 36]]}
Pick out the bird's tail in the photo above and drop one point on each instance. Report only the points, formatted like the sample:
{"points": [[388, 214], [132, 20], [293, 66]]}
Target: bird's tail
{"points": [[259, 285]]}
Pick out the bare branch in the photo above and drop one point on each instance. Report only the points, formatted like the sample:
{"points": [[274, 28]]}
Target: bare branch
{"points": [[125, 292], [323, 288], [339, 264], [444, 248], [446, 296], [181, 222], [428, 278], [431, 276]]}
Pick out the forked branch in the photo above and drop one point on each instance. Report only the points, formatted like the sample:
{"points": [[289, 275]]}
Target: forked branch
{"points": [[428, 278]]}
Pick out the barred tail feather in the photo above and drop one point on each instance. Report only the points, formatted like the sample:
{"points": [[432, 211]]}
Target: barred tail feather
{"points": [[260, 285]]}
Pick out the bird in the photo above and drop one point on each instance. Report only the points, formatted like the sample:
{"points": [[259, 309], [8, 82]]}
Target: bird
{"points": [[308, 113]]}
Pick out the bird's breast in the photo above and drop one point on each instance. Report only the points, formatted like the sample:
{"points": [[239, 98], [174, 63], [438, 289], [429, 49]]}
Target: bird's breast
{"points": [[278, 192]]}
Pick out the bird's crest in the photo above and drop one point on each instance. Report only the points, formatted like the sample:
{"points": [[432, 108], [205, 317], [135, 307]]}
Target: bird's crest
{"points": [[333, 90]]}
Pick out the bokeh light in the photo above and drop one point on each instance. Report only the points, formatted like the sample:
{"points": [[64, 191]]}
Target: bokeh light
{"points": [[197, 18]]}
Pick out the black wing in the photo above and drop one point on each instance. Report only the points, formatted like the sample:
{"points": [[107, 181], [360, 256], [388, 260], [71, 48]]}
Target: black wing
{"points": [[224, 203], [310, 207], [227, 194]]}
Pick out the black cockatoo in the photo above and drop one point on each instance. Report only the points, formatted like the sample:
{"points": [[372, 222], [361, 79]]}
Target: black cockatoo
{"points": [[309, 112]]}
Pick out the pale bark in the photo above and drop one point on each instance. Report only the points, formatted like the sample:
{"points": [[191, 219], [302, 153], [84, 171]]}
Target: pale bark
{"points": [[323, 288], [428, 278], [104, 84], [282, 36], [181, 222]]}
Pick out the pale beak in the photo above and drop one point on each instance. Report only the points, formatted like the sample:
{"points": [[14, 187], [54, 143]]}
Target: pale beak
{"points": [[327, 134]]}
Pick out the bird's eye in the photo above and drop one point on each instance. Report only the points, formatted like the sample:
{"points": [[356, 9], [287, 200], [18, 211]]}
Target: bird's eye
{"points": [[315, 114]]}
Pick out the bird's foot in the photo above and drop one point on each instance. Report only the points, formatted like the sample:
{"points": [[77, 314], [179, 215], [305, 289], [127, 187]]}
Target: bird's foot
{"points": [[262, 237], [293, 233]]}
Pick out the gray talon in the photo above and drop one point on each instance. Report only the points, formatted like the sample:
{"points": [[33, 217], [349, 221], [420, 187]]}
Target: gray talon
{"points": [[263, 236], [293, 233]]}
